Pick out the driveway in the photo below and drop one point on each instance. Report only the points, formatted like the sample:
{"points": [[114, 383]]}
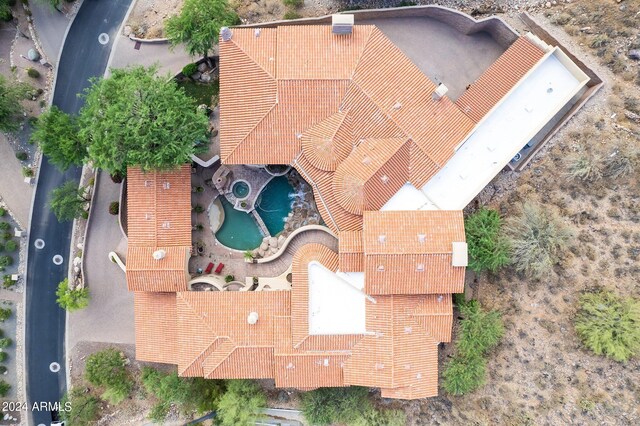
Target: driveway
{"points": [[109, 316], [51, 26], [440, 51], [14, 192], [169, 61]]}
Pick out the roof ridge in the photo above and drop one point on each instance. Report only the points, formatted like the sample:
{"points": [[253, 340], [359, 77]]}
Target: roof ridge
{"points": [[275, 79], [364, 49], [221, 350]]}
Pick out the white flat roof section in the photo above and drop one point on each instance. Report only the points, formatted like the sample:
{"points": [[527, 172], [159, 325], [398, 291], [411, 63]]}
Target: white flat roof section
{"points": [[408, 197], [336, 301], [512, 123]]}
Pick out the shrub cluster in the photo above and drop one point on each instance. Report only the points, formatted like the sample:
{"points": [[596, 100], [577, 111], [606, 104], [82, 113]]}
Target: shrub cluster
{"points": [[538, 238], [114, 208], [107, 369], [488, 248], [71, 299], [480, 331], [351, 405], [189, 69], [33, 73], [609, 325]]}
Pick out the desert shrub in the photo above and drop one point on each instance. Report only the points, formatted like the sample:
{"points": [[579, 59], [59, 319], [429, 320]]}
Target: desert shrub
{"points": [[71, 299], [11, 246], [189, 394], [537, 239], [3, 356], [4, 388], [241, 403], [585, 167], [4, 226], [464, 374], [480, 331], [198, 208], [292, 14], [190, 69], [5, 342], [33, 73], [228, 278], [599, 41], [107, 369], [5, 313], [114, 208], [159, 411], [5, 261], [22, 156], [632, 104], [6, 235], [326, 406], [293, 3], [27, 172], [620, 163], [373, 417], [83, 407], [3, 369], [2, 212], [7, 282], [488, 249], [609, 325]]}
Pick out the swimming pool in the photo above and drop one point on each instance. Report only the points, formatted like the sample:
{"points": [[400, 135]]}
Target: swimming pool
{"points": [[241, 232], [240, 189], [274, 203]]}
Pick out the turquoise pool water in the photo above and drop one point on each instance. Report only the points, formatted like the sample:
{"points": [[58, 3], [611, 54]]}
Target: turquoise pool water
{"points": [[240, 189], [240, 230], [274, 203]]}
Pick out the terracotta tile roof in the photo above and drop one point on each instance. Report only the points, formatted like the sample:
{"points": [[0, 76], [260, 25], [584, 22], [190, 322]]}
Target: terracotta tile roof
{"points": [[416, 245], [499, 78], [159, 207], [434, 313], [329, 142], [313, 52], [246, 363], [260, 46], [375, 170], [144, 273], [350, 251], [155, 327]]}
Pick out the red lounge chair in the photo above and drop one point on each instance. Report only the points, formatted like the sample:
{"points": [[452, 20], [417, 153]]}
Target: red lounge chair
{"points": [[219, 268], [209, 268]]}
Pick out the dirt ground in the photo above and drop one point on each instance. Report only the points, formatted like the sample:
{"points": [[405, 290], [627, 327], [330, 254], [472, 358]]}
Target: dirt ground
{"points": [[540, 374]]}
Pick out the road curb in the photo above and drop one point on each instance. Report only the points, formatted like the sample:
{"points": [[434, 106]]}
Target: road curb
{"points": [[117, 39]]}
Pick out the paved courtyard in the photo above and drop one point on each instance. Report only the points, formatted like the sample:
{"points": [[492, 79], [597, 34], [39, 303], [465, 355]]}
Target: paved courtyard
{"points": [[440, 51]]}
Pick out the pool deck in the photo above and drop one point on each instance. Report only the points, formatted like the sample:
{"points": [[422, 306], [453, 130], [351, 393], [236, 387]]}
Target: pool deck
{"points": [[257, 178]]}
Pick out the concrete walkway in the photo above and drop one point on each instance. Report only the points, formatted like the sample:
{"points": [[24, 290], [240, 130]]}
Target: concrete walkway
{"points": [[169, 61], [14, 192], [109, 316], [51, 26]]}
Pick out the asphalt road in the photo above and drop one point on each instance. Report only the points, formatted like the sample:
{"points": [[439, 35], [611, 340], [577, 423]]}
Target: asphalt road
{"points": [[83, 57]]}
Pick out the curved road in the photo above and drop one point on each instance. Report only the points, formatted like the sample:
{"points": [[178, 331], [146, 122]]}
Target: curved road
{"points": [[82, 57]]}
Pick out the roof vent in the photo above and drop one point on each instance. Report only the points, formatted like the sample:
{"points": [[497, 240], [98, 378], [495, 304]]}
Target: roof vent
{"points": [[422, 238], [148, 183], [166, 225], [257, 32], [382, 238], [384, 179], [397, 106], [342, 24], [252, 318], [159, 254], [440, 298], [440, 91], [325, 362], [420, 267], [225, 33], [366, 160], [459, 254], [166, 185]]}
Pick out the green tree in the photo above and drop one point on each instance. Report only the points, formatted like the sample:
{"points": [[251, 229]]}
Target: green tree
{"points": [[5, 342], [464, 374], [5, 313], [327, 406], [241, 403], [198, 25], [488, 249], [83, 407], [609, 325], [11, 94], [68, 201], [135, 118], [71, 299], [57, 134], [107, 369], [5, 10]]}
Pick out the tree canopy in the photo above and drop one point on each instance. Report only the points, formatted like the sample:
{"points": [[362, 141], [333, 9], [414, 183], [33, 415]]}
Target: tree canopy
{"points": [[488, 248], [107, 368], [10, 108], [68, 201], [198, 24], [241, 403], [57, 134], [71, 299], [135, 118], [83, 407]]}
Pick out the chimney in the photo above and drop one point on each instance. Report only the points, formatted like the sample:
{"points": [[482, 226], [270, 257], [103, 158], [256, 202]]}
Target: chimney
{"points": [[159, 254], [459, 254], [342, 24], [252, 318], [440, 91], [225, 33]]}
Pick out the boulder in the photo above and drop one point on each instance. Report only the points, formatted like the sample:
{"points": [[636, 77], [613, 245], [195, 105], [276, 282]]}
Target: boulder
{"points": [[273, 242], [127, 30], [196, 75], [205, 78], [634, 54], [263, 247], [202, 67]]}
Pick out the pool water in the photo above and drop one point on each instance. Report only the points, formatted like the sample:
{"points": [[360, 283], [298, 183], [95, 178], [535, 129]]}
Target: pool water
{"points": [[274, 203], [239, 230], [240, 189]]}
